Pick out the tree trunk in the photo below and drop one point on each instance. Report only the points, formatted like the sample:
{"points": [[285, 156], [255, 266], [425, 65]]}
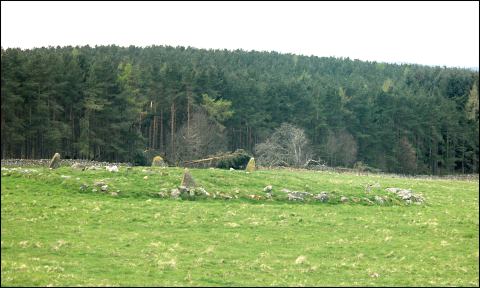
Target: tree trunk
{"points": [[172, 130], [161, 131], [150, 134], [154, 136], [188, 112], [463, 158]]}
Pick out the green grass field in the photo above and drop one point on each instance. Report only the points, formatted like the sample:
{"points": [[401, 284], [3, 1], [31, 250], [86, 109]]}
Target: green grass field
{"points": [[54, 234]]}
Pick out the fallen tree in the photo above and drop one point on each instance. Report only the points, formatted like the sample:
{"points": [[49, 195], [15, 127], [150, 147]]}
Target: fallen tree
{"points": [[235, 160]]}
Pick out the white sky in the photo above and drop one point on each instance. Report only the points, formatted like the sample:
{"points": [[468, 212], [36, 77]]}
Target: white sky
{"points": [[430, 33]]}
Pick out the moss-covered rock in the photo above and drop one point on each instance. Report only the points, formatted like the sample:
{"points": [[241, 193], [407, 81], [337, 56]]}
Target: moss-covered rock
{"points": [[251, 165], [55, 162], [158, 162], [187, 180]]}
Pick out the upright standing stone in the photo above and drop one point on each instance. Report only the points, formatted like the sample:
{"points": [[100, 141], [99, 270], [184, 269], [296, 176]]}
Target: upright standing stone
{"points": [[251, 165], [55, 162], [187, 180], [158, 162]]}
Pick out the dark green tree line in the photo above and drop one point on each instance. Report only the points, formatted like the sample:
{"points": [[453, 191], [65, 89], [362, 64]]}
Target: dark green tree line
{"points": [[113, 103]]}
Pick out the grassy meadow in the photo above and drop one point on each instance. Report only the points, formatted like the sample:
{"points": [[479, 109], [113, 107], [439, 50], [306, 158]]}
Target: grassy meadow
{"points": [[53, 233]]}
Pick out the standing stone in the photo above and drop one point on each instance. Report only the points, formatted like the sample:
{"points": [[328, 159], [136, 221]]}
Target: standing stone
{"points": [[158, 162], [251, 165], [55, 162], [187, 180]]}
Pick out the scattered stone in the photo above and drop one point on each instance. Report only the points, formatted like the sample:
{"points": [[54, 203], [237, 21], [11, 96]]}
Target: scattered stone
{"points": [[231, 169], [300, 260], [187, 180], [191, 193], [158, 162], [268, 189], [78, 166], [66, 176], [292, 197], [83, 187], [379, 200], [99, 183], [393, 190], [406, 195], [322, 197], [255, 197], [55, 162], [344, 199], [225, 196], [113, 168], [104, 188], [305, 194], [93, 167], [201, 192], [368, 201], [368, 188], [145, 178], [94, 190], [175, 193], [161, 194], [114, 194], [268, 195], [285, 190], [251, 165], [298, 196]]}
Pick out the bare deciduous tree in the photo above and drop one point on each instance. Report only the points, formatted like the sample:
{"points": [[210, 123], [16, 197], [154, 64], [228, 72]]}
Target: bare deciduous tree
{"points": [[288, 146], [407, 157], [204, 136], [341, 148]]}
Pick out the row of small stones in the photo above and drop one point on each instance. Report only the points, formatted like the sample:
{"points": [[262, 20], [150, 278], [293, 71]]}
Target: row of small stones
{"points": [[184, 192], [407, 195]]}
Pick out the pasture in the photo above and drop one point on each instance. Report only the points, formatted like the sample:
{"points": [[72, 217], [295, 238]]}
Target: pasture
{"points": [[56, 230]]}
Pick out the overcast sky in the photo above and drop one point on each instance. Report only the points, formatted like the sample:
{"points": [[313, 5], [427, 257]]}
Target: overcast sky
{"points": [[430, 33]]}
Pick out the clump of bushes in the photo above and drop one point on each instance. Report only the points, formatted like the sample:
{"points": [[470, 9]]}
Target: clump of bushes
{"points": [[362, 167], [236, 160]]}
